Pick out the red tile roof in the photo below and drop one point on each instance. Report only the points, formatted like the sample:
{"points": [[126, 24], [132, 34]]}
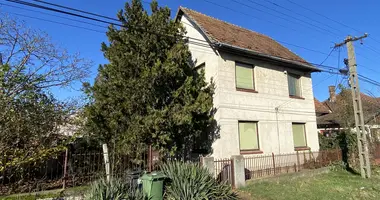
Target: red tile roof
{"points": [[320, 107], [219, 31], [371, 108]]}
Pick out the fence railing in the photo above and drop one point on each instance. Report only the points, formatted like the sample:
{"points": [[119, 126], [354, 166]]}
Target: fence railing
{"points": [[223, 170], [82, 168], [273, 164]]}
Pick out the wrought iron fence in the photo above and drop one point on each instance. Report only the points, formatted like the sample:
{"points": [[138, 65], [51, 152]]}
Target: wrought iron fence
{"points": [[80, 168], [223, 170], [274, 164]]}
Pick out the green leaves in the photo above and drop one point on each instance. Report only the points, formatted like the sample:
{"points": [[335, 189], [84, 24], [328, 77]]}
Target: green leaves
{"points": [[192, 182], [149, 92], [115, 189]]}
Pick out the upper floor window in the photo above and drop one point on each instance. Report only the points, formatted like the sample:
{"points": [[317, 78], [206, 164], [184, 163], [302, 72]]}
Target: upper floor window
{"points": [[294, 85], [244, 76]]}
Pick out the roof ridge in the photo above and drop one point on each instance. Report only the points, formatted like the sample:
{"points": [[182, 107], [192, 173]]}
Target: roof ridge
{"points": [[181, 7]]}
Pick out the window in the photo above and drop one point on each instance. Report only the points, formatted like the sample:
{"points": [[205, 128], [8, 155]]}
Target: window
{"points": [[200, 68], [244, 76], [294, 85], [299, 136], [248, 136]]}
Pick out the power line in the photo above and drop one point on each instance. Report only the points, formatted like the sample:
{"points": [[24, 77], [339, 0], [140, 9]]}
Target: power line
{"points": [[61, 11], [324, 16], [54, 15], [277, 5], [61, 23], [285, 19], [77, 10], [295, 18]]}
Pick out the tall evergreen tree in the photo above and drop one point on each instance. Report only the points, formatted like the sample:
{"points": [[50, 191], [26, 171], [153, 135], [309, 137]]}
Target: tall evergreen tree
{"points": [[149, 93]]}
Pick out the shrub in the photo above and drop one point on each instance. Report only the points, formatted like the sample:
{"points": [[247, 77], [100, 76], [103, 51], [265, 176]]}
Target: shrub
{"points": [[192, 182], [115, 189]]}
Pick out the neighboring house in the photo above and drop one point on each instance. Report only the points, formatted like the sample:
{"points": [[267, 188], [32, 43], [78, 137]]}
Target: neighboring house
{"points": [[253, 75], [331, 113]]}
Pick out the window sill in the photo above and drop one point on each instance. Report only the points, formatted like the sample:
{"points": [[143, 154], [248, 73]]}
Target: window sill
{"points": [[246, 90], [296, 97], [245, 152], [301, 148]]}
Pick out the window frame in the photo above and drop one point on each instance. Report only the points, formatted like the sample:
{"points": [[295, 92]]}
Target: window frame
{"points": [[300, 148], [298, 85], [250, 151], [253, 90]]}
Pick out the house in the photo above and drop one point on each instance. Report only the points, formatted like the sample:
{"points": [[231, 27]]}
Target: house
{"points": [[335, 113], [263, 94]]}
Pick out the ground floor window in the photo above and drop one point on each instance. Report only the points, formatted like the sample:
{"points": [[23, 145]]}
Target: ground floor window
{"points": [[248, 136], [299, 135]]}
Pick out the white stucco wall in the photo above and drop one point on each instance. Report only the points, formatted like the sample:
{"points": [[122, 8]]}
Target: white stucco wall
{"points": [[232, 106]]}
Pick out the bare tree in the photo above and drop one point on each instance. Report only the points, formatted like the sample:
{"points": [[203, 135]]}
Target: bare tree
{"points": [[31, 119], [32, 53]]}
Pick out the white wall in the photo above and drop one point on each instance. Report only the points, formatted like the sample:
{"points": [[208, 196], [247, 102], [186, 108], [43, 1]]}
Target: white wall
{"points": [[272, 87]]}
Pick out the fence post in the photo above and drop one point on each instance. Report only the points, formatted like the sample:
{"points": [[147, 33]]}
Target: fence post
{"points": [[150, 160], [208, 163], [274, 164], [65, 169], [106, 161], [298, 161], [238, 172]]}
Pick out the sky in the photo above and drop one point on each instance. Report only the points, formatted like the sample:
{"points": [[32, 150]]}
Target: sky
{"points": [[310, 30]]}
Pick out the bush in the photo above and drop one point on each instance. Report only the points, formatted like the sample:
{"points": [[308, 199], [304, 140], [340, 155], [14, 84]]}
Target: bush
{"points": [[115, 189], [192, 182]]}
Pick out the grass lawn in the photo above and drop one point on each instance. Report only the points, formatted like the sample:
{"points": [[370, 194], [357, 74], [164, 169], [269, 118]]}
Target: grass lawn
{"points": [[333, 185], [47, 194]]}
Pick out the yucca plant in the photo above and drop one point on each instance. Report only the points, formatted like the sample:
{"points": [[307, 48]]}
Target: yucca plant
{"points": [[193, 182], [115, 189]]}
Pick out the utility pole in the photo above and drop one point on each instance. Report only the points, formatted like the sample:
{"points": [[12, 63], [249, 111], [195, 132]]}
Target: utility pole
{"points": [[365, 168]]}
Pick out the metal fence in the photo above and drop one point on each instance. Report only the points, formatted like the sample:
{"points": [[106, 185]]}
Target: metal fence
{"points": [[77, 169], [274, 164], [223, 170]]}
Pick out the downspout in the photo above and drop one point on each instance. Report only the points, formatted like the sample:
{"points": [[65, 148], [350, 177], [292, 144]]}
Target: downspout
{"points": [[278, 131]]}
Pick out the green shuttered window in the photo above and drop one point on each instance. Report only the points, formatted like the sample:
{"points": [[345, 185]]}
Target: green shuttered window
{"points": [[248, 136], [244, 76], [294, 85], [299, 137]]}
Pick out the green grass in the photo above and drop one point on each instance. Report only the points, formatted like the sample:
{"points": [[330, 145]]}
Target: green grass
{"points": [[47, 194], [334, 185]]}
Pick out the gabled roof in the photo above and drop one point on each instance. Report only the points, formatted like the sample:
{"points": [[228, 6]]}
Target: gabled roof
{"points": [[371, 109], [225, 35], [320, 107]]}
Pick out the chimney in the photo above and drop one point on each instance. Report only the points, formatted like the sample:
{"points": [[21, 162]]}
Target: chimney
{"points": [[332, 94]]}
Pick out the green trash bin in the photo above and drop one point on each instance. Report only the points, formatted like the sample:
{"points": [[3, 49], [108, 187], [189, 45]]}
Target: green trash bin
{"points": [[153, 185]]}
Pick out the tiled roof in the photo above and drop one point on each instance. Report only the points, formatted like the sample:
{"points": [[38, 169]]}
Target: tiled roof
{"points": [[219, 31], [320, 107], [371, 108]]}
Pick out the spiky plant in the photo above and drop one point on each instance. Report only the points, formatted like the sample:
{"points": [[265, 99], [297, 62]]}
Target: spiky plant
{"points": [[115, 189], [193, 182]]}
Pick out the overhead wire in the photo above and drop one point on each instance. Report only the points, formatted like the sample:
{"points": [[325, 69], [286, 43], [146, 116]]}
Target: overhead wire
{"points": [[63, 12], [53, 15], [325, 68], [292, 17], [77, 10]]}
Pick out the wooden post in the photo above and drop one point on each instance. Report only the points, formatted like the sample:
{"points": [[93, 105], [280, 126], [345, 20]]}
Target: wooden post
{"points": [[65, 169], [274, 164], [106, 161]]}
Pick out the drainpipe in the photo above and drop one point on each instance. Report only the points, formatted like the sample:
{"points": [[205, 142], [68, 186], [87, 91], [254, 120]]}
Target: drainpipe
{"points": [[278, 131]]}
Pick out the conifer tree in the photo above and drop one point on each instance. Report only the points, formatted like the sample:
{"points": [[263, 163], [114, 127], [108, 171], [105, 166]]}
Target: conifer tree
{"points": [[149, 92]]}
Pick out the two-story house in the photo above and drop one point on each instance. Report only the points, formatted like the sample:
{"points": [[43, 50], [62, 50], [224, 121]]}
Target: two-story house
{"points": [[263, 94]]}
